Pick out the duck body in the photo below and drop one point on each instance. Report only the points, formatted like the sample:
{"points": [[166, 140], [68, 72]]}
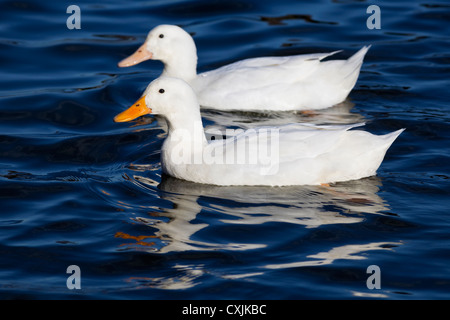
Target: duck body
{"points": [[299, 82], [295, 154], [303, 156]]}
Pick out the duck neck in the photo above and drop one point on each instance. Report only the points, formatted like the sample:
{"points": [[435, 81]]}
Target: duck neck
{"points": [[183, 67], [186, 139]]}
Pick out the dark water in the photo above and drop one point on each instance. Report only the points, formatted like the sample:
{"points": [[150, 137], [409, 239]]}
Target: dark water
{"points": [[79, 189]]}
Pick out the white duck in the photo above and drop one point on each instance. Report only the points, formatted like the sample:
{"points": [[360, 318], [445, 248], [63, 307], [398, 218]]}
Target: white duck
{"points": [[300, 82], [296, 154]]}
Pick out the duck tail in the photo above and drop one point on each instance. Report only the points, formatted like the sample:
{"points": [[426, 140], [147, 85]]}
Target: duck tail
{"points": [[391, 137], [387, 141], [358, 57], [352, 67]]}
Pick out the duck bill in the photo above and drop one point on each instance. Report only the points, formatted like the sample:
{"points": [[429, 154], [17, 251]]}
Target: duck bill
{"points": [[140, 55], [136, 110]]}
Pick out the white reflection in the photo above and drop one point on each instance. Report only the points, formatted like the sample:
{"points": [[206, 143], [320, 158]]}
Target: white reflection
{"points": [[184, 278], [338, 114], [369, 295], [176, 229], [310, 206], [348, 252]]}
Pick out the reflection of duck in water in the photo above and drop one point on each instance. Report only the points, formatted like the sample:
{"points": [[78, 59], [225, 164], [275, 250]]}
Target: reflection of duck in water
{"points": [[301, 205], [347, 252], [218, 121], [175, 228]]}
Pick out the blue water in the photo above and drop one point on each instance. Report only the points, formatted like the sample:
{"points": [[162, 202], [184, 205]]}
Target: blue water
{"points": [[78, 189]]}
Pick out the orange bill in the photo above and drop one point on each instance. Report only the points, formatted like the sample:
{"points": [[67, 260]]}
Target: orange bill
{"points": [[140, 55], [136, 110]]}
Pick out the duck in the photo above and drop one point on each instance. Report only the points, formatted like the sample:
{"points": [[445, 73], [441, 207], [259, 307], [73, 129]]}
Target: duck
{"points": [[287, 155], [285, 83]]}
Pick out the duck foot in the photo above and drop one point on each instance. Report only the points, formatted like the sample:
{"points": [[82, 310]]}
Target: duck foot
{"points": [[308, 113]]}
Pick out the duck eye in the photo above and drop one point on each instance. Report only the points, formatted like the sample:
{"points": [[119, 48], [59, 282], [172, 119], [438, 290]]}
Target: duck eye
{"points": [[161, 36], [161, 91]]}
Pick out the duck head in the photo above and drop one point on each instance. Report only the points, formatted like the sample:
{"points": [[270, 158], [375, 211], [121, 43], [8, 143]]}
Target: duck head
{"points": [[171, 45], [170, 97]]}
